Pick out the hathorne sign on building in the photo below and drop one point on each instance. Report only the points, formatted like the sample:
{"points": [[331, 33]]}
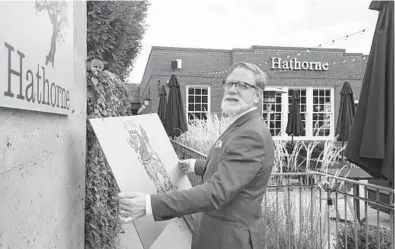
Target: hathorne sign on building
{"points": [[36, 62], [277, 63]]}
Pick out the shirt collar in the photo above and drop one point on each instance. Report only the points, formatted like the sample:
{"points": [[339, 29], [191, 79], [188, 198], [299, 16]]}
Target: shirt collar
{"points": [[230, 120]]}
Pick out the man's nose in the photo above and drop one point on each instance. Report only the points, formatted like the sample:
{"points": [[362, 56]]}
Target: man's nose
{"points": [[232, 88]]}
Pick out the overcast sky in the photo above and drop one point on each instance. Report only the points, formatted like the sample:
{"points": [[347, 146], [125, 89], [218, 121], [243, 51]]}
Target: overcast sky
{"points": [[227, 24]]}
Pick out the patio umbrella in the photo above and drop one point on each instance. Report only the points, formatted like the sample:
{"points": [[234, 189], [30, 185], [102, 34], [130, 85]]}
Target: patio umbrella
{"points": [[294, 124], [162, 105], [175, 116], [371, 141], [346, 113]]}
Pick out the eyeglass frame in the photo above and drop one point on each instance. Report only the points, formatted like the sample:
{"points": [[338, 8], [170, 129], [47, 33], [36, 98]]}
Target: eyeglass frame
{"points": [[235, 83]]}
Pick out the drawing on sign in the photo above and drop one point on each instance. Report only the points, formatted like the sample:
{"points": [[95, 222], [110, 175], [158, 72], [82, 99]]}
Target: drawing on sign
{"points": [[57, 12], [153, 166]]}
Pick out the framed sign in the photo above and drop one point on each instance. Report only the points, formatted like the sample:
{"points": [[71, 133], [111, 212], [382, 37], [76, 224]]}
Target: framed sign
{"points": [[36, 56]]}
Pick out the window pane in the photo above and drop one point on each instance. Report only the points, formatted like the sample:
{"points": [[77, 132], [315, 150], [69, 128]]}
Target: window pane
{"points": [[265, 116], [278, 98], [321, 124], [197, 103], [304, 115], [277, 107], [272, 111], [327, 92]]}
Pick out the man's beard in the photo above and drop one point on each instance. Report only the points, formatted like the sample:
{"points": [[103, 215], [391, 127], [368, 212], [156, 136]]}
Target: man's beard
{"points": [[233, 107]]}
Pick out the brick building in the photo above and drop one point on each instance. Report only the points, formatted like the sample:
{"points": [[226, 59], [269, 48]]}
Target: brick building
{"points": [[318, 75]]}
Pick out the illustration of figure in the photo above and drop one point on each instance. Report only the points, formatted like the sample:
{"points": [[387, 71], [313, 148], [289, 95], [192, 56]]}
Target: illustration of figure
{"points": [[153, 166]]}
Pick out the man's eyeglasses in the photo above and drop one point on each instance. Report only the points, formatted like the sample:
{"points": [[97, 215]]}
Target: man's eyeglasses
{"points": [[240, 85]]}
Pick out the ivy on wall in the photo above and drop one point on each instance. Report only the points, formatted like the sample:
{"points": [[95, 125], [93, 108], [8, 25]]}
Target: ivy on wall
{"points": [[107, 96]]}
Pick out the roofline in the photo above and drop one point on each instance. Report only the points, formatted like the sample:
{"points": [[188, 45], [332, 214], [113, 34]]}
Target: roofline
{"points": [[254, 47], [145, 68], [341, 50], [190, 49]]}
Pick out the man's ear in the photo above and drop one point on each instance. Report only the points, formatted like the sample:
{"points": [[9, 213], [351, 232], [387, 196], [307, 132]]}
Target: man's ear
{"points": [[257, 97]]}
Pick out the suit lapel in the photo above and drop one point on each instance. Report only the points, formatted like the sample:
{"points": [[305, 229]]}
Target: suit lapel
{"points": [[230, 129]]}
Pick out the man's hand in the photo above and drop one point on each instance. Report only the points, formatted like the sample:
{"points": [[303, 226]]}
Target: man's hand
{"points": [[131, 206], [186, 165]]}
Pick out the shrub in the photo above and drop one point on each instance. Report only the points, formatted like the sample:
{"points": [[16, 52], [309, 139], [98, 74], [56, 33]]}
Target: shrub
{"points": [[384, 237], [300, 157], [106, 97]]}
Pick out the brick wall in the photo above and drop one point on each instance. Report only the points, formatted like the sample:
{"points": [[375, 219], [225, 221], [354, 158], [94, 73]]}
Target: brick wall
{"points": [[208, 66]]}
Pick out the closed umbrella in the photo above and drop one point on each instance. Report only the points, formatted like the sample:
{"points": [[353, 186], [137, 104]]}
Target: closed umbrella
{"points": [[162, 105], [371, 141], [346, 113], [175, 116], [294, 124]]}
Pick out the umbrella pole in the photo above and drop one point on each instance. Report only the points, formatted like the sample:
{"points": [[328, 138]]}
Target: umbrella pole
{"points": [[292, 140], [342, 150]]}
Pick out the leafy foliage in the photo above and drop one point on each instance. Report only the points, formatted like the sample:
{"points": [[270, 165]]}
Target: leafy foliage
{"points": [[114, 33], [374, 236], [115, 30], [107, 96]]}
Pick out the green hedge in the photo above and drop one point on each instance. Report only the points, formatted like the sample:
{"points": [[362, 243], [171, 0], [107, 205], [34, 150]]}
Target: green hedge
{"points": [[385, 237], [106, 97]]}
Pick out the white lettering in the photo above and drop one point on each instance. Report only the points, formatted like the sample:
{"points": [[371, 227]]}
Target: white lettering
{"points": [[325, 66], [279, 64]]}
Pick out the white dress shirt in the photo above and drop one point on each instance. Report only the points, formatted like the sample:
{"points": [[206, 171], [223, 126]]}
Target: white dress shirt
{"points": [[227, 122]]}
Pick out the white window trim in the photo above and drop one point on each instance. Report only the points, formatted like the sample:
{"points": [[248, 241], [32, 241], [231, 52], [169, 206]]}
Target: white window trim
{"points": [[309, 111], [187, 97]]}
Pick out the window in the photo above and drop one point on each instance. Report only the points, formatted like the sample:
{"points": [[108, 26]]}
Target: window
{"points": [[316, 109], [198, 102], [321, 112], [272, 111]]}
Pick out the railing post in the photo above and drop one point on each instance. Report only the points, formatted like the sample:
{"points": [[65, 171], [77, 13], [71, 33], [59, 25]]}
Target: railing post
{"points": [[356, 201]]}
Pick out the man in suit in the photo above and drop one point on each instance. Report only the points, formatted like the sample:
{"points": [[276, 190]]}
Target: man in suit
{"points": [[235, 174]]}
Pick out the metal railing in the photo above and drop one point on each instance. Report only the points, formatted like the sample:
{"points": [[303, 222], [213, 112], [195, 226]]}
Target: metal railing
{"points": [[318, 210]]}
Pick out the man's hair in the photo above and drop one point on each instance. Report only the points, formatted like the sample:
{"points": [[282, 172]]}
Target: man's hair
{"points": [[260, 77]]}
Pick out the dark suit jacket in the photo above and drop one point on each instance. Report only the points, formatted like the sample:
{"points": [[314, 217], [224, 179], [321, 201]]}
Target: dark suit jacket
{"points": [[235, 176]]}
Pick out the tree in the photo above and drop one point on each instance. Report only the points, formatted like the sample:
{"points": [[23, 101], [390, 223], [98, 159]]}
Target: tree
{"points": [[115, 30], [57, 12]]}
